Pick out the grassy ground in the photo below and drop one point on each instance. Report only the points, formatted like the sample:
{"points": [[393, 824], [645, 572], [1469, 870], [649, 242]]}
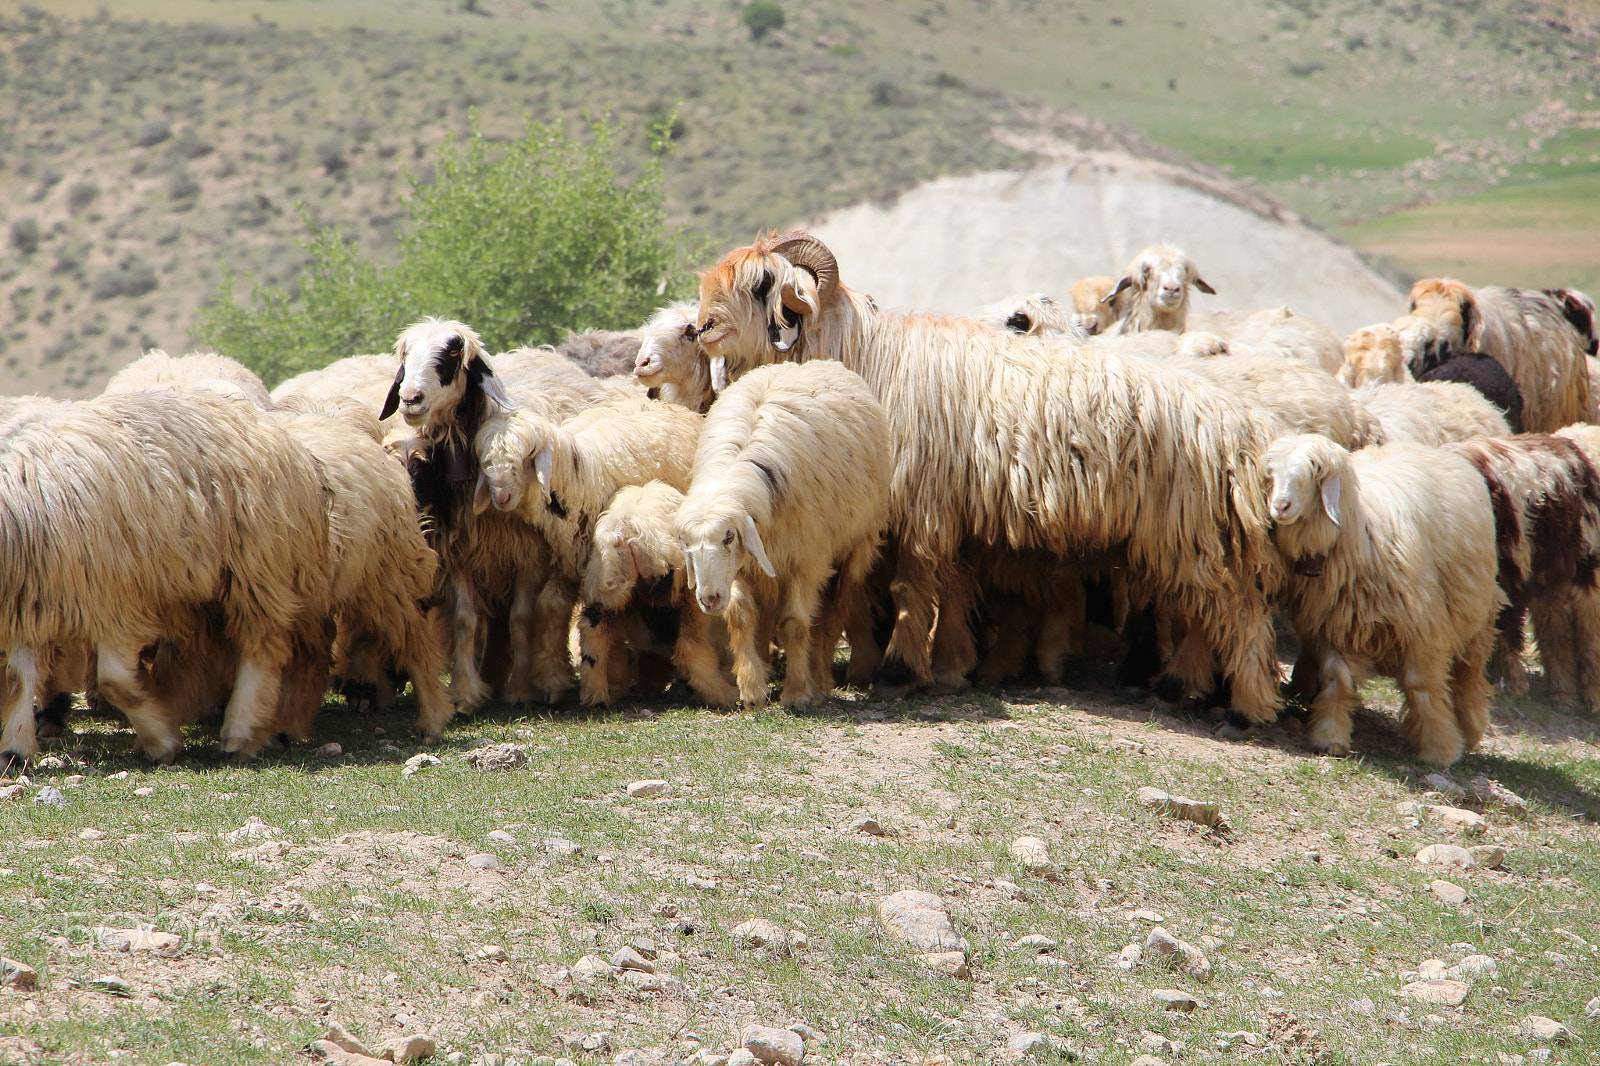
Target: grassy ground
{"points": [[365, 902]]}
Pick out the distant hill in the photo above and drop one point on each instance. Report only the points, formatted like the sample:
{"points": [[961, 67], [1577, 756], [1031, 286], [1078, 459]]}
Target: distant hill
{"points": [[141, 153]]}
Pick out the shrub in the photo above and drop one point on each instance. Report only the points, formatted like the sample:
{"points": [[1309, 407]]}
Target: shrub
{"points": [[81, 195], [762, 16], [25, 235], [152, 133], [133, 277], [330, 153], [522, 240]]}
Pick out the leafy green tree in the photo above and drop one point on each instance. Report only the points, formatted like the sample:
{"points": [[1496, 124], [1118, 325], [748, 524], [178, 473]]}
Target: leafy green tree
{"points": [[523, 241], [761, 17]]}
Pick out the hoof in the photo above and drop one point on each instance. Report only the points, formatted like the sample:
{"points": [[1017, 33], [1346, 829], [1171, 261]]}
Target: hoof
{"points": [[1170, 689]]}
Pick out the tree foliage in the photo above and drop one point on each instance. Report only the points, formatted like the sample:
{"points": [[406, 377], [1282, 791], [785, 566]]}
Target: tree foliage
{"points": [[523, 241], [762, 16]]}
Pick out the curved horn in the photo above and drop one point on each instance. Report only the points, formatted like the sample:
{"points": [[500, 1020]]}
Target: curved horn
{"points": [[802, 249]]}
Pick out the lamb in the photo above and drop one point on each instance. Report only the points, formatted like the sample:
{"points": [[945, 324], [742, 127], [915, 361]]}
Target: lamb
{"points": [[1159, 279], [1393, 550], [1525, 330], [1031, 312], [1093, 308], [1031, 443], [207, 370], [670, 363], [1433, 413], [1546, 496], [636, 589], [790, 487], [122, 515]]}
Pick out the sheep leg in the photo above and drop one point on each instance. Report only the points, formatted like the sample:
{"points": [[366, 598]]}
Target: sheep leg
{"points": [[305, 681], [1249, 649], [596, 639], [519, 686], [1585, 618], [906, 662], [467, 689], [1506, 664], [1014, 632], [745, 624], [955, 645], [422, 658], [552, 627], [1426, 718], [865, 655], [1328, 728], [18, 741], [1558, 634], [247, 722], [797, 626], [1470, 691], [156, 733], [1193, 664], [696, 659]]}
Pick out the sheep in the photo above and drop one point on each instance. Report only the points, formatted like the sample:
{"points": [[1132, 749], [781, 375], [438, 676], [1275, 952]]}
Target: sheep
{"points": [[364, 378], [670, 363], [1432, 413], [158, 370], [1393, 552], [602, 353], [1279, 331], [636, 587], [1298, 397], [1579, 310], [1031, 443], [1159, 279], [122, 514], [1031, 312], [1546, 496], [1373, 355], [789, 488], [1376, 355], [1488, 378], [1525, 330], [1093, 308]]}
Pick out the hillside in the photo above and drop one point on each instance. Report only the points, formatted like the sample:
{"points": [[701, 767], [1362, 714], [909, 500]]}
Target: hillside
{"points": [[141, 153]]}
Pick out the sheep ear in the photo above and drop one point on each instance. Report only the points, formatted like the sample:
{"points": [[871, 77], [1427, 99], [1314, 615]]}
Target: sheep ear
{"points": [[481, 374], [1471, 325], [543, 466], [752, 541], [1200, 283], [1122, 286], [719, 373], [688, 565], [1330, 498], [391, 403], [480, 494]]}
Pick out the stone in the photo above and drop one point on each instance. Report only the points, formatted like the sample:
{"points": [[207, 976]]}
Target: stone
{"points": [[561, 847], [50, 796], [490, 953], [629, 959], [483, 861], [1545, 1030], [1490, 792], [776, 1047], [1010, 889], [1154, 1043], [1035, 943], [1172, 999], [1444, 784], [1033, 855], [949, 963], [761, 933], [807, 1033], [18, 975], [1445, 855], [593, 966], [1448, 893], [418, 762], [1432, 969], [1144, 914], [742, 1057], [1162, 802], [1489, 856], [592, 1043], [500, 836], [919, 918], [329, 750], [495, 757], [1177, 953], [869, 826], [646, 947], [1438, 993], [340, 1037], [1029, 1042], [72, 781], [252, 831], [91, 834], [140, 939], [144, 791], [1477, 968], [649, 789], [338, 1056], [110, 984], [798, 941], [1591, 1009], [1128, 957], [1148, 1060], [1469, 822], [648, 982]]}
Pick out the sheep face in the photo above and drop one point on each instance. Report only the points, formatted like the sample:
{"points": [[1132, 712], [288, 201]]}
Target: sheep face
{"points": [[667, 345], [1373, 354], [1449, 307], [714, 552], [1305, 476], [755, 302], [439, 362], [1163, 274], [1090, 299], [511, 453]]}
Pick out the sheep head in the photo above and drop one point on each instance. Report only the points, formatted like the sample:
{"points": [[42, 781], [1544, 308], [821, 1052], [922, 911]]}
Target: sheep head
{"points": [[513, 451], [1032, 314], [1310, 478], [441, 362], [634, 543], [1091, 309], [1373, 354], [715, 548], [1163, 274], [1579, 310], [755, 302], [1448, 306], [671, 339]]}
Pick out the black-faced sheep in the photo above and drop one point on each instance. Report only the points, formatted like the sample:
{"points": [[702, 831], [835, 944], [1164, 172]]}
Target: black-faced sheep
{"points": [[790, 479], [1393, 551], [1029, 443]]}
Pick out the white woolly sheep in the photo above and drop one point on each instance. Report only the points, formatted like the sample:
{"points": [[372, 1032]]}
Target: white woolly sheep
{"points": [[1034, 443], [1527, 331], [789, 489], [1153, 293], [670, 362], [123, 514], [1300, 398], [1031, 312], [1281, 332], [1546, 497], [1374, 355], [1393, 551], [366, 379], [636, 590], [1433, 413], [205, 370]]}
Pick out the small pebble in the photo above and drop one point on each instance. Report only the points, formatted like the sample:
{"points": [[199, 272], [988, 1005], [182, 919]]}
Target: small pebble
{"points": [[869, 826], [483, 862], [629, 959], [949, 963], [490, 953], [1034, 942], [500, 836], [50, 796], [776, 1047], [1546, 1030], [1148, 1060], [1592, 1008], [561, 847], [72, 781], [1172, 999], [1010, 889], [18, 975], [1448, 893], [1436, 993], [1144, 914], [1476, 967], [1027, 1042], [110, 984], [1033, 855], [145, 791], [1489, 856], [647, 789], [1445, 855], [91, 834], [417, 763], [329, 750]]}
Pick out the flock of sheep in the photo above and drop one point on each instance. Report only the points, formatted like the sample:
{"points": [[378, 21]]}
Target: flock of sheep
{"points": [[787, 464]]}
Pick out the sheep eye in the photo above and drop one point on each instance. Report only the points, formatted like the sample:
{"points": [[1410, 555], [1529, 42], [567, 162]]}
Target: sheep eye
{"points": [[727, 538]]}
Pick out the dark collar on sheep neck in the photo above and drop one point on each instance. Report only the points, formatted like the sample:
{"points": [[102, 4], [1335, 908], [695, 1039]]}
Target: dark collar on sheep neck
{"points": [[1310, 565]]}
